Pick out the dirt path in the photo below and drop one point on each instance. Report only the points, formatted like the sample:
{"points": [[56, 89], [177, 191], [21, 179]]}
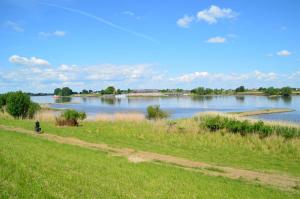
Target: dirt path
{"points": [[281, 181]]}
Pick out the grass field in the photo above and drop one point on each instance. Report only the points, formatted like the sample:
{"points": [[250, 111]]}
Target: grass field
{"points": [[185, 139], [36, 168], [32, 167]]}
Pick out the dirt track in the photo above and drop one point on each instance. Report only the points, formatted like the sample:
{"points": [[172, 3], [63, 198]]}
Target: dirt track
{"points": [[281, 181]]}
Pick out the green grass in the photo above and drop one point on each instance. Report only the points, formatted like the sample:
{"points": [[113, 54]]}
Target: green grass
{"points": [[185, 139], [31, 167]]}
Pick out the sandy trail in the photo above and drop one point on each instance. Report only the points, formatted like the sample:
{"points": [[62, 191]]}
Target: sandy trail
{"points": [[281, 181]]}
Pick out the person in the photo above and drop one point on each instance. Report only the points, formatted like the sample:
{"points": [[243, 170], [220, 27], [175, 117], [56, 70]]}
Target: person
{"points": [[37, 127]]}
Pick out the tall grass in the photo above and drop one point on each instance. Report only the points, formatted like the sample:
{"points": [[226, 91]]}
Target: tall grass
{"points": [[134, 117]]}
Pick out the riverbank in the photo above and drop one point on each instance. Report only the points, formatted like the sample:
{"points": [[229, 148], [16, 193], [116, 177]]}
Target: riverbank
{"points": [[186, 138]]}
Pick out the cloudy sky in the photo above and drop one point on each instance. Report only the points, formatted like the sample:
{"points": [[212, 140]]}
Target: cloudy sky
{"points": [[92, 44]]}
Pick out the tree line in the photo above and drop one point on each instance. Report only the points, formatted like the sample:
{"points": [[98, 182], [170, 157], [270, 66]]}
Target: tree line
{"points": [[110, 90], [284, 91]]}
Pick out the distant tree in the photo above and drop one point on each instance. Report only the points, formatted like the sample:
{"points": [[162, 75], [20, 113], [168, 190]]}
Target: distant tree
{"points": [[179, 90], [286, 91], [110, 90], [272, 91], [90, 91], [119, 91], [129, 90], [198, 91], [57, 91], [84, 91], [262, 89], [66, 91], [240, 89]]}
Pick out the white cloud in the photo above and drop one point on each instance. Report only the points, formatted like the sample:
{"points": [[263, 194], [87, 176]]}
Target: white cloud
{"points": [[57, 33], [14, 26], [204, 75], [191, 76], [118, 73], [216, 40], [130, 13], [284, 53], [32, 61], [214, 13], [185, 21]]}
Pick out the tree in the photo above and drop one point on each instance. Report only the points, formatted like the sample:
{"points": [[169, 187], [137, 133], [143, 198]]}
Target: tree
{"points": [[110, 90], [240, 89], [198, 91], [84, 91], [17, 104], [272, 91], [57, 91], [286, 91], [66, 91]]}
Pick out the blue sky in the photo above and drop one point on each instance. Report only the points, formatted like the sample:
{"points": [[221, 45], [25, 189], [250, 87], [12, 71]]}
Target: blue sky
{"points": [[148, 44]]}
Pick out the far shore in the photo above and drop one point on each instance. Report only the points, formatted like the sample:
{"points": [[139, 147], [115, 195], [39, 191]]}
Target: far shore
{"points": [[263, 111]]}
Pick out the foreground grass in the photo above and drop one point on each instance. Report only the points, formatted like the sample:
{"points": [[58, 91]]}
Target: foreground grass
{"points": [[185, 139], [34, 168]]}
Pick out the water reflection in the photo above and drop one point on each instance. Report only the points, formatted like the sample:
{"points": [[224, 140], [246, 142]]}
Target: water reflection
{"points": [[274, 98], [110, 100], [63, 100], [202, 98], [287, 100], [240, 99]]}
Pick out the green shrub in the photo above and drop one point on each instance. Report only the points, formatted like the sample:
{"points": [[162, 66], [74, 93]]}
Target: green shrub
{"points": [[70, 118], [17, 104], [154, 112], [3, 98], [244, 127], [214, 123]]}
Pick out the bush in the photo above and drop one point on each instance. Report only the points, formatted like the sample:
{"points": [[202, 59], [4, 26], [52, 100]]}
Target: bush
{"points": [[17, 104], [70, 118], [3, 98], [214, 123], [154, 112], [243, 127]]}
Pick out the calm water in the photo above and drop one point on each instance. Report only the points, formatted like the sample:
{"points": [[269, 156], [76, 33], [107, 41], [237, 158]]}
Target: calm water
{"points": [[180, 107]]}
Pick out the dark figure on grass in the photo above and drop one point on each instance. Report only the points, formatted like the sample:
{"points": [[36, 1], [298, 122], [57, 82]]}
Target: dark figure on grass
{"points": [[37, 127]]}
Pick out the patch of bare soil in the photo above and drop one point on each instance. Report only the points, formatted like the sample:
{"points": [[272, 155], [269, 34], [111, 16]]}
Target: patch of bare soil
{"points": [[281, 181]]}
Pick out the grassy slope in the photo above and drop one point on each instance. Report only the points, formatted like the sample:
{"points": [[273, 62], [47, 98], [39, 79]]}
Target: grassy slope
{"points": [[35, 168], [273, 153]]}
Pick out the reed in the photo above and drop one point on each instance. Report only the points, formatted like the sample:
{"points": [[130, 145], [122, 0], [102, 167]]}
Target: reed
{"points": [[46, 115], [118, 117]]}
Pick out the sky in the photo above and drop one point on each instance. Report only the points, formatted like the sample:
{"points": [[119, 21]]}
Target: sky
{"points": [[45, 44]]}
